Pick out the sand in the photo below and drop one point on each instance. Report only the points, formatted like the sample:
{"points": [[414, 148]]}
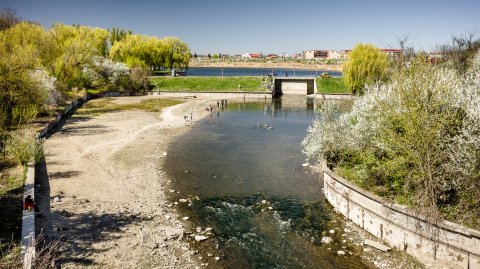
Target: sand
{"points": [[108, 191]]}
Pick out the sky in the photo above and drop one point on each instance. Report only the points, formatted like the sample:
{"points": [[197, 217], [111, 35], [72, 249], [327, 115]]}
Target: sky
{"points": [[266, 26]]}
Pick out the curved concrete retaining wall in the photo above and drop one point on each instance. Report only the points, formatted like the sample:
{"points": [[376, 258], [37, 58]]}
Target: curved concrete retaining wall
{"points": [[447, 243], [27, 251], [338, 96]]}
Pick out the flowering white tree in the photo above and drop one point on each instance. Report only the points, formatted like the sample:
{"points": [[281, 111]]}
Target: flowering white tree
{"points": [[104, 70], [46, 83], [417, 136]]}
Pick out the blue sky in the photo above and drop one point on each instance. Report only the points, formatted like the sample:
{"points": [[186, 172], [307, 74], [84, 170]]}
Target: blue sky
{"points": [[235, 27]]}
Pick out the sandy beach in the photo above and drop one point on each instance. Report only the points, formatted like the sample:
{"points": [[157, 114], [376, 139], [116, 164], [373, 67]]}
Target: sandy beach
{"points": [[108, 191]]}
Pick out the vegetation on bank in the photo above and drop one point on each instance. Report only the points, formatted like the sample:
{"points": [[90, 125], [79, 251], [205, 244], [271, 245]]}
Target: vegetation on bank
{"points": [[98, 106], [330, 85], [414, 138], [209, 84], [41, 70]]}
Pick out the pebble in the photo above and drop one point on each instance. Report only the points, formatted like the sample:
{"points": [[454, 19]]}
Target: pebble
{"points": [[217, 258], [331, 231], [200, 238], [341, 252], [326, 240], [305, 164], [185, 218]]}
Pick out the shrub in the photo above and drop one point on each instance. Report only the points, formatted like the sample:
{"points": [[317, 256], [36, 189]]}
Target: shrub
{"points": [[24, 146]]}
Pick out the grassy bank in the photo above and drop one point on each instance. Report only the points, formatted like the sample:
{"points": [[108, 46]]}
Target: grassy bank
{"points": [[98, 106], [11, 205], [208, 84], [331, 85]]}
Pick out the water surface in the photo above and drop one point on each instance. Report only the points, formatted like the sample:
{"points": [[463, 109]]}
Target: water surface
{"points": [[239, 71], [244, 163]]}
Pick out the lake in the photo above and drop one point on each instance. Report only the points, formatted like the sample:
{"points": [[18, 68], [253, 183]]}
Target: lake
{"points": [[235, 71]]}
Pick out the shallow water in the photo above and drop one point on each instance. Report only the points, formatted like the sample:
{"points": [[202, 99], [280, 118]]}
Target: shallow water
{"points": [[245, 165]]}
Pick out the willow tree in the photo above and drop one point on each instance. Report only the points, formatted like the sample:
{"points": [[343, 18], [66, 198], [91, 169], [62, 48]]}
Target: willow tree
{"points": [[366, 65], [151, 52], [24, 85]]}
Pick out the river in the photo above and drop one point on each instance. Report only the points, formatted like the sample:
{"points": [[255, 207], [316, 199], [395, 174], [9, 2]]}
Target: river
{"points": [[244, 164]]}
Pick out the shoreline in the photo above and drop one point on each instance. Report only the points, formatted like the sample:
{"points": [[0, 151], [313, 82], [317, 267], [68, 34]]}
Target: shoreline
{"points": [[109, 192], [290, 65]]}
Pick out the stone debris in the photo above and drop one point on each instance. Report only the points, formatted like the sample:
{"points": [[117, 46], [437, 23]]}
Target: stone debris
{"points": [[200, 238], [340, 252], [173, 233], [331, 231], [326, 240], [305, 164]]}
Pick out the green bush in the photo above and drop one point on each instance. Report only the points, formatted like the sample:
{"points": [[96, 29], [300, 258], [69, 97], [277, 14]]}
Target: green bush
{"points": [[24, 146]]}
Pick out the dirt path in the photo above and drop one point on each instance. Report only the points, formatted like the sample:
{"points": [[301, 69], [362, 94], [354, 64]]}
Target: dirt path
{"points": [[106, 171]]}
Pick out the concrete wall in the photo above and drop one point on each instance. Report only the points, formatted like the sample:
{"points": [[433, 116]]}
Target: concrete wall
{"points": [[27, 251], [338, 96], [294, 87], [446, 243]]}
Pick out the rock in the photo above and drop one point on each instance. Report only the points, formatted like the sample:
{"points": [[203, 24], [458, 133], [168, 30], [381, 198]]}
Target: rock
{"points": [[264, 201], [56, 199], [340, 252], [326, 240], [305, 164], [331, 231], [200, 238], [208, 229], [165, 154], [270, 207], [183, 200], [173, 233], [217, 258], [376, 245], [185, 218]]}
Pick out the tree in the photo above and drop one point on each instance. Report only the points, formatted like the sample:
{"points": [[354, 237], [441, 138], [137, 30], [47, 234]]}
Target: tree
{"points": [[365, 65], [461, 52], [8, 18], [415, 138], [24, 85]]}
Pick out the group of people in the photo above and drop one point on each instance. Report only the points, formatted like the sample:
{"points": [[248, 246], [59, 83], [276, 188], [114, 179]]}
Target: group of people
{"points": [[220, 104]]}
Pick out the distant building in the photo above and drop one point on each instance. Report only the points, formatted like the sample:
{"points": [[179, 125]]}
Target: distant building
{"points": [[272, 56], [255, 55], [393, 53], [436, 57], [321, 54]]}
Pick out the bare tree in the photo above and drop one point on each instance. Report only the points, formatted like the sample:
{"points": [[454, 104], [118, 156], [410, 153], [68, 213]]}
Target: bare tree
{"points": [[462, 50], [8, 18]]}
